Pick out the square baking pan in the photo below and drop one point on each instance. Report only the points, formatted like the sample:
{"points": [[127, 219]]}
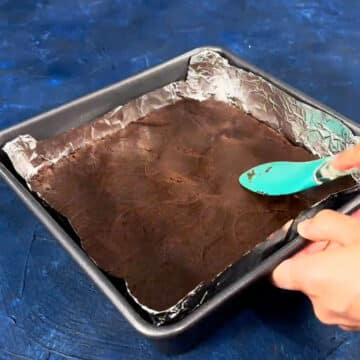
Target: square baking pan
{"points": [[184, 333]]}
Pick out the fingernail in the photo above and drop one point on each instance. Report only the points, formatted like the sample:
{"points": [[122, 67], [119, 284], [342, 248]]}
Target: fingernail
{"points": [[303, 227]]}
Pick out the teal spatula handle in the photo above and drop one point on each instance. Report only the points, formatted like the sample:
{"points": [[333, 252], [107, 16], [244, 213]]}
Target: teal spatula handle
{"points": [[285, 178], [326, 172]]}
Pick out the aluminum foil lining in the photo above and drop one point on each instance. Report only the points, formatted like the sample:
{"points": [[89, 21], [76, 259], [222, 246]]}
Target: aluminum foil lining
{"points": [[209, 76]]}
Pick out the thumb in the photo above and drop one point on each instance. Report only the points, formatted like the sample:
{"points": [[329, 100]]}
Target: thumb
{"points": [[287, 275], [300, 273]]}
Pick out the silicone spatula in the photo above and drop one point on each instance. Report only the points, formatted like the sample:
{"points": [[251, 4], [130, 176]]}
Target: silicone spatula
{"points": [[284, 178]]}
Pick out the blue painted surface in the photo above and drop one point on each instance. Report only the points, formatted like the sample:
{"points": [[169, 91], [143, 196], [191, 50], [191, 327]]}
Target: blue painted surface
{"points": [[54, 51]]}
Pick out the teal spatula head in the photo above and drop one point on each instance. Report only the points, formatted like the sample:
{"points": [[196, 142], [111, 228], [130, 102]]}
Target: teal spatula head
{"points": [[284, 178]]}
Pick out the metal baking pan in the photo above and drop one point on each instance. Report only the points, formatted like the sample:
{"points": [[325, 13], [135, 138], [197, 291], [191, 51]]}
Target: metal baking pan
{"points": [[183, 334]]}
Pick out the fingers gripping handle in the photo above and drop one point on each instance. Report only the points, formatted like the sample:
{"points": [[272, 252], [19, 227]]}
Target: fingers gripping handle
{"points": [[326, 172]]}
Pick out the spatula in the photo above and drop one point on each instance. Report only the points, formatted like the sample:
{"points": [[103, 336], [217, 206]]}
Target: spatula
{"points": [[284, 178]]}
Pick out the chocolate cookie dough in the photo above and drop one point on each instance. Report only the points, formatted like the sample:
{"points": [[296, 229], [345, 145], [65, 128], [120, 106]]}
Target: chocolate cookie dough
{"points": [[159, 204]]}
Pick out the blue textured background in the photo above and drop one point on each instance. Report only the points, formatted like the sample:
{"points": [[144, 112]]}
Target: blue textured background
{"points": [[54, 51]]}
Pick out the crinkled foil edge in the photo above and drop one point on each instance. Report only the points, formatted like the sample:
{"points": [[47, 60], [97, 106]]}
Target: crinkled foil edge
{"points": [[209, 76]]}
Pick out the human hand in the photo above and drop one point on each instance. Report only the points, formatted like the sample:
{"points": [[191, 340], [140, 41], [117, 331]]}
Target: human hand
{"points": [[328, 270]]}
